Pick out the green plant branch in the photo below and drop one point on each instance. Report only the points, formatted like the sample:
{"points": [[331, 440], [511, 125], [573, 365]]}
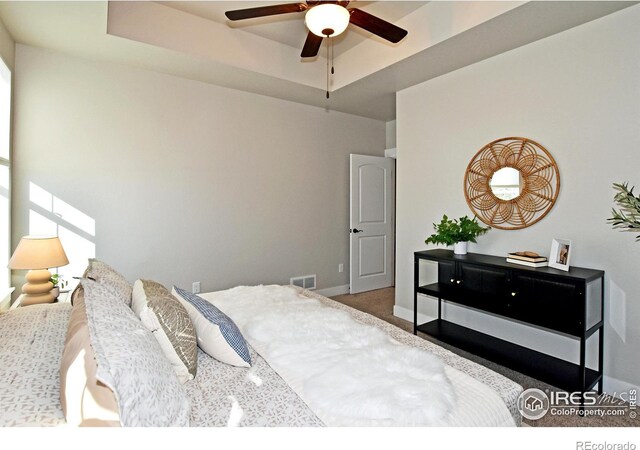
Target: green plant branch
{"points": [[58, 281], [627, 218], [451, 231]]}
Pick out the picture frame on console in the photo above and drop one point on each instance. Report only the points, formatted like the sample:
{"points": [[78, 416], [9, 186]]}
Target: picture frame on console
{"points": [[560, 254]]}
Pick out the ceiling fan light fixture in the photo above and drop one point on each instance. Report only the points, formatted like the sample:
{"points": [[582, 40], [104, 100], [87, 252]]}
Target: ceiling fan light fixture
{"points": [[327, 19]]}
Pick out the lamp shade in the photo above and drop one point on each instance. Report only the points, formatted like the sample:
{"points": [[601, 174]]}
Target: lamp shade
{"points": [[38, 252], [327, 19]]}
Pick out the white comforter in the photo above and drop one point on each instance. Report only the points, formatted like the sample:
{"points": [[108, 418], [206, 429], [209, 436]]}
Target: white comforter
{"points": [[350, 373]]}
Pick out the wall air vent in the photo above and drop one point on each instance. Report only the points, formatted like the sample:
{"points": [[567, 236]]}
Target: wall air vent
{"points": [[305, 281]]}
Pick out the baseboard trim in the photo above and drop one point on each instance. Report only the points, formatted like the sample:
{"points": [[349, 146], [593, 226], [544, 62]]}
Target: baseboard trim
{"points": [[611, 385], [407, 314], [336, 290], [615, 387]]}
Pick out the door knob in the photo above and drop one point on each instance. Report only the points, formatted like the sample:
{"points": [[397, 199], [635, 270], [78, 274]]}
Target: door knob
{"points": [[355, 230]]}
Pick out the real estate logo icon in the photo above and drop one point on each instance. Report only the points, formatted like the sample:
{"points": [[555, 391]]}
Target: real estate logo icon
{"points": [[533, 404]]}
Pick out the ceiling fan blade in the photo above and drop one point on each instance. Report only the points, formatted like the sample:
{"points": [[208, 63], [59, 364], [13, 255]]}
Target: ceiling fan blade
{"points": [[261, 11], [377, 26], [311, 45]]}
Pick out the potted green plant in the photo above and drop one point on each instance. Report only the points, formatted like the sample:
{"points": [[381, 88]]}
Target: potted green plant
{"points": [[456, 232], [58, 284], [628, 218]]}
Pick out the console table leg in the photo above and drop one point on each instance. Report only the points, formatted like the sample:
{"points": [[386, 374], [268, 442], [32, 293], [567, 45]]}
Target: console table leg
{"points": [[416, 274], [601, 341], [601, 359], [583, 368], [415, 314]]}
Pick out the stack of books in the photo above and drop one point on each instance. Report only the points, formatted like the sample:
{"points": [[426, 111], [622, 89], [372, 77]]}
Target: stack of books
{"points": [[530, 259]]}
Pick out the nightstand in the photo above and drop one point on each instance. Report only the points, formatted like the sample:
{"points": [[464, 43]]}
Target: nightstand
{"points": [[5, 298], [64, 297]]}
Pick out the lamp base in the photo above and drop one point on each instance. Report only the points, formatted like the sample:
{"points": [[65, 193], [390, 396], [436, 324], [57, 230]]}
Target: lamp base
{"points": [[37, 289], [30, 299]]}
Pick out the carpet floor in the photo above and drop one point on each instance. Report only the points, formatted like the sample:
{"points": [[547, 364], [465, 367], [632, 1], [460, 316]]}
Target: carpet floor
{"points": [[379, 303]]}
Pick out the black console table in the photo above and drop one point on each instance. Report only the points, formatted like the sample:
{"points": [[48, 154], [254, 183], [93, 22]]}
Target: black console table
{"points": [[571, 303]]}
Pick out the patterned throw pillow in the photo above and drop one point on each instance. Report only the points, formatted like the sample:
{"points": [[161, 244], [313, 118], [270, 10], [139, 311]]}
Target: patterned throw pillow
{"points": [[108, 276], [132, 364], [217, 335], [163, 315]]}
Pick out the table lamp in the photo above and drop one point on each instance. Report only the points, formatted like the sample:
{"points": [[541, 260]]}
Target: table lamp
{"points": [[38, 254]]}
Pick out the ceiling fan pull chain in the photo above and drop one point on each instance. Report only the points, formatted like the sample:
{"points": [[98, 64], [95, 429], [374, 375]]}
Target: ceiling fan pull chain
{"points": [[328, 66], [332, 72]]}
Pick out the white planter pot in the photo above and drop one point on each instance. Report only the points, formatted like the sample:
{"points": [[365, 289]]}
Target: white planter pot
{"points": [[460, 248]]}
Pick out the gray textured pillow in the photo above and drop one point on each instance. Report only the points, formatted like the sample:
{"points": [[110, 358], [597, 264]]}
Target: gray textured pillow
{"points": [[104, 274], [131, 363], [163, 315]]}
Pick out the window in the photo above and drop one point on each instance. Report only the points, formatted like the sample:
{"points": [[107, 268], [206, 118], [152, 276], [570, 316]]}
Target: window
{"points": [[5, 176]]}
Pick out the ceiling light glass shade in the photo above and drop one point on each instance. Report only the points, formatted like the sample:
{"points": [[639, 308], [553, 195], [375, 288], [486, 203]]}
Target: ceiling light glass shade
{"points": [[327, 19]]}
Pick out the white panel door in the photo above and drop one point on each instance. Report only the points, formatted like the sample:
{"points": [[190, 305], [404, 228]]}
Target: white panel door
{"points": [[371, 222]]}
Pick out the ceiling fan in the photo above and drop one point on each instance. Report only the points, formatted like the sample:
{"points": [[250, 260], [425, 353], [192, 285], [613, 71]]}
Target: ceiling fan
{"points": [[325, 19]]}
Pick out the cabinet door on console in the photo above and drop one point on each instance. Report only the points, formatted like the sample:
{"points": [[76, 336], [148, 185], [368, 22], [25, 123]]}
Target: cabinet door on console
{"points": [[483, 279], [548, 302], [486, 287], [447, 273]]}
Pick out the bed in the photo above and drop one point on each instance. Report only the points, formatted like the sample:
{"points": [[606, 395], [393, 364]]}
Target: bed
{"points": [[267, 393]]}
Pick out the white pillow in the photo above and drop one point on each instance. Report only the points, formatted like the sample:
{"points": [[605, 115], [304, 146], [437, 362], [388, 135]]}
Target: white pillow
{"points": [[216, 333], [163, 315], [132, 364]]}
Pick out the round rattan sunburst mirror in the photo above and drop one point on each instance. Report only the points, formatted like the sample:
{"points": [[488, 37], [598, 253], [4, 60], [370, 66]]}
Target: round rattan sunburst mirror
{"points": [[512, 183]]}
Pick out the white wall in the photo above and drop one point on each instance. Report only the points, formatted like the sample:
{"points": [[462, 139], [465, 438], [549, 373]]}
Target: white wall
{"points": [[186, 181], [7, 46], [578, 94]]}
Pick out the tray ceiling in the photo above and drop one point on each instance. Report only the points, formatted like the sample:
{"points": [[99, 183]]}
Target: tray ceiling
{"points": [[194, 40]]}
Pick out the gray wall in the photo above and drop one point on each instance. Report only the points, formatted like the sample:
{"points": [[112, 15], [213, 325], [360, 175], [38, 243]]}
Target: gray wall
{"points": [[577, 94], [391, 134], [185, 181]]}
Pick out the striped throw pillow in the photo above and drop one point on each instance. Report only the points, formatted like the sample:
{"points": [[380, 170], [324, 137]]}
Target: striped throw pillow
{"points": [[216, 333]]}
